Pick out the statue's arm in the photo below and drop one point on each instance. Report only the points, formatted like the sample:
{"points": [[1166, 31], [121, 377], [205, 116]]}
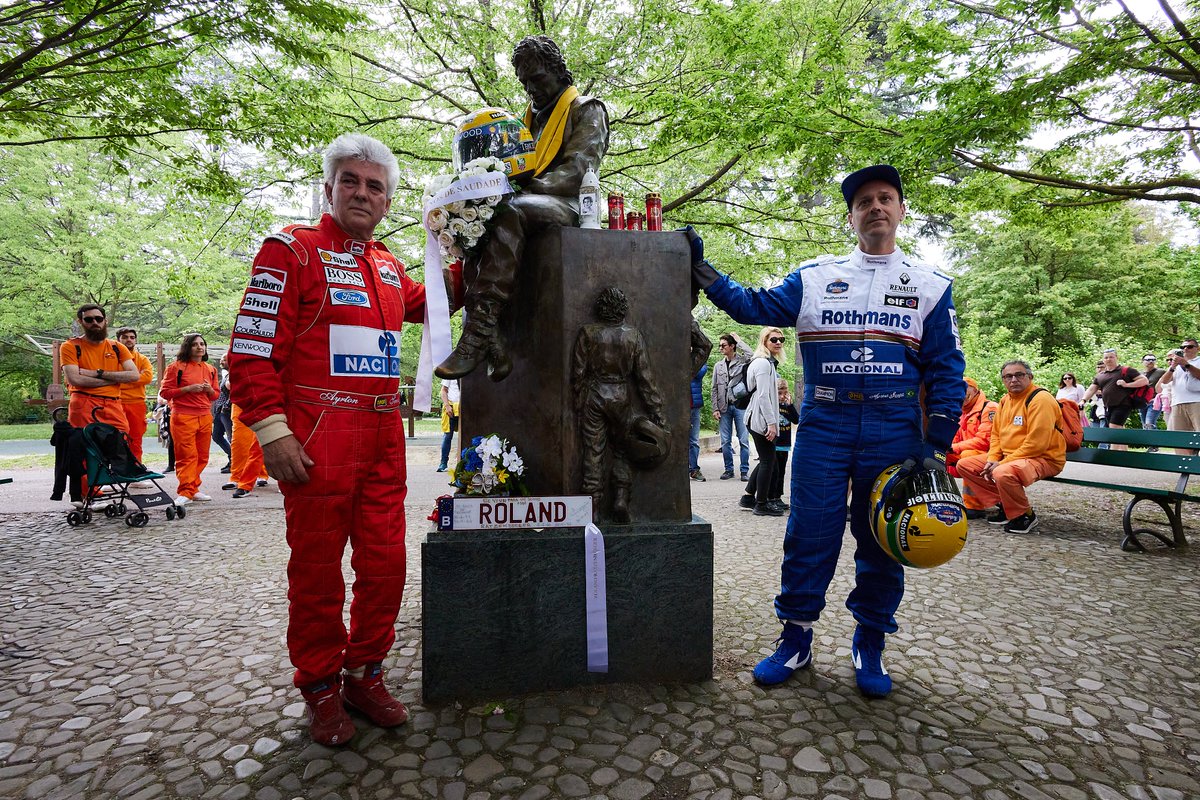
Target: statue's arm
{"points": [[579, 367], [646, 384], [585, 147]]}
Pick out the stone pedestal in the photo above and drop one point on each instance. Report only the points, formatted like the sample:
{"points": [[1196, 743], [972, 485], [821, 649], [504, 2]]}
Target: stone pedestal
{"points": [[563, 272], [503, 612]]}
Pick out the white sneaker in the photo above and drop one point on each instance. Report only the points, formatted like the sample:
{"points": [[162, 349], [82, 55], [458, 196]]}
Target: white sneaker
{"points": [[77, 503], [201, 497], [182, 501]]}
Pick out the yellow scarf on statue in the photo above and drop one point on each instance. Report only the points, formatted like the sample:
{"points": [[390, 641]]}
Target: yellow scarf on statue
{"points": [[549, 143]]}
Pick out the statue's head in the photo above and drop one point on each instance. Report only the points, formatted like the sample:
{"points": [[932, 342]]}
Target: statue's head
{"points": [[612, 305], [541, 69]]}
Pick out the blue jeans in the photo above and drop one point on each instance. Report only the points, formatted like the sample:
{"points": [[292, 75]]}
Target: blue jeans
{"points": [[447, 439], [731, 417], [222, 430], [694, 441], [1150, 416]]}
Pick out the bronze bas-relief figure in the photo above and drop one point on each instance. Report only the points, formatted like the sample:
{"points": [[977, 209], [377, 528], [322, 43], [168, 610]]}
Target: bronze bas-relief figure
{"points": [[609, 358], [549, 197]]}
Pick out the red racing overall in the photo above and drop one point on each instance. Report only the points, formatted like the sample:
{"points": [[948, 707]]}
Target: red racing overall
{"points": [[315, 353]]}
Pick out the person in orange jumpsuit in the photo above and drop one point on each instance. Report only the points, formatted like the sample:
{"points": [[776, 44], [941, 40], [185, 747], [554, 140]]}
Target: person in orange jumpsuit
{"points": [[95, 367], [315, 372], [1026, 446], [190, 385], [973, 437], [133, 394], [245, 458]]}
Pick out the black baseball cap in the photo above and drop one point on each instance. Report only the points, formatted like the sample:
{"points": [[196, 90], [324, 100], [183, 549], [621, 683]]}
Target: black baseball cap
{"points": [[880, 172]]}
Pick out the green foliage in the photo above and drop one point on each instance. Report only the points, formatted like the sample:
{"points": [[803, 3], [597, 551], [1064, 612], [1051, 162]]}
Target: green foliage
{"points": [[123, 70], [1072, 281], [77, 227], [1040, 91]]}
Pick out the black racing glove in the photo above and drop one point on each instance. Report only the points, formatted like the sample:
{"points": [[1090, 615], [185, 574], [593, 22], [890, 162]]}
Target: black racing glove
{"points": [[703, 274], [939, 434]]}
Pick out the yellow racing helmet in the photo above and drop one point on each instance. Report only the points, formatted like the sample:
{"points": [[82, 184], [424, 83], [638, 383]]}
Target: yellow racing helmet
{"points": [[494, 132], [918, 517]]}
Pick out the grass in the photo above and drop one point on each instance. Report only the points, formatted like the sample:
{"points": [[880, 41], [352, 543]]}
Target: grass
{"points": [[38, 461], [32, 430]]}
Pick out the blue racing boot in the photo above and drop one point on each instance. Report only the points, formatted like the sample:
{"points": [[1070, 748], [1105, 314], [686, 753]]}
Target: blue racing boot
{"points": [[794, 652], [867, 651]]}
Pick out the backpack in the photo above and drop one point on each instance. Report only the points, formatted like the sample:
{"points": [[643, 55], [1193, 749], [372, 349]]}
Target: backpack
{"points": [[743, 393], [1143, 395], [739, 393], [1072, 429]]}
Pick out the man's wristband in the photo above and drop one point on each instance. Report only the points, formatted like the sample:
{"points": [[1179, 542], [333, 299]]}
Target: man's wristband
{"points": [[100, 374]]}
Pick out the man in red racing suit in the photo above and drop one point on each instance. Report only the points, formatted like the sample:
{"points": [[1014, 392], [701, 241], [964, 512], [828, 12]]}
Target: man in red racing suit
{"points": [[315, 367]]}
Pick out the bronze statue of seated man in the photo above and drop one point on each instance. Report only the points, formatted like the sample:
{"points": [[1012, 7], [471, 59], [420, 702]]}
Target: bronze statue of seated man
{"points": [[571, 132]]}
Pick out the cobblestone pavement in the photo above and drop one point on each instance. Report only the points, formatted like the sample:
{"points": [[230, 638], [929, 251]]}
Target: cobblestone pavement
{"points": [[151, 663]]}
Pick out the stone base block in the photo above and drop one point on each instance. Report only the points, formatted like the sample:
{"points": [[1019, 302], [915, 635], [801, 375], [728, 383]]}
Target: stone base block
{"points": [[503, 611]]}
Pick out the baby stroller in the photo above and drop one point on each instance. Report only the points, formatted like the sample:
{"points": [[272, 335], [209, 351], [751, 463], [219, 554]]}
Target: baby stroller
{"points": [[111, 468]]}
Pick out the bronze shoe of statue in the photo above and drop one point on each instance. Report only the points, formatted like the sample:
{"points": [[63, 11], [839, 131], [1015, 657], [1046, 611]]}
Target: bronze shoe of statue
{"points": [[499, 364], [477, 344], [620, 509]]}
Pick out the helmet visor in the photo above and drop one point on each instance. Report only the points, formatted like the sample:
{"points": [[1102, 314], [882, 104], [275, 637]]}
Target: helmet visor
{"points": [[503, 139]]}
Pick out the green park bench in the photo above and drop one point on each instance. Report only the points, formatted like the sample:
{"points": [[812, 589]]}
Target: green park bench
{"points": [[1170, 500]]}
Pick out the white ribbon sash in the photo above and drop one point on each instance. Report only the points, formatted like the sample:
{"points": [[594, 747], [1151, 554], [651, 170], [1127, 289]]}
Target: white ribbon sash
{"points": [[435, 338], [597, 599]]}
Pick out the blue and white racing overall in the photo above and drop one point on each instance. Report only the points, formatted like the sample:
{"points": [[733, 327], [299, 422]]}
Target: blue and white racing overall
{"points": [[872, 331]]}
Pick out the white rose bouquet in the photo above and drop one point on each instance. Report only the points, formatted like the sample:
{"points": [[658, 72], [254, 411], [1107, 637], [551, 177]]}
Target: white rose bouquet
{"points": [[460, 226]]}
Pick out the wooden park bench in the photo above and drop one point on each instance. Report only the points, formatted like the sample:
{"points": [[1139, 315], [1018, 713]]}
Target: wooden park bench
{"points": [[1165, 461]]}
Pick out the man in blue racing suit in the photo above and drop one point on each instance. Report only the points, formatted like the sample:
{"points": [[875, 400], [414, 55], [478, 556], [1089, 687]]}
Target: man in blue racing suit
{"points": [[875, 328]]}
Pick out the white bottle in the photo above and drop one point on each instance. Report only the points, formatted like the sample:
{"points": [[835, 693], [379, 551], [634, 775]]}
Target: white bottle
{"points": [[589, 200]]}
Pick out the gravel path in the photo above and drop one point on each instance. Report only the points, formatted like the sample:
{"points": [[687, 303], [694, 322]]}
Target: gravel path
{"points": [[151, 663]]}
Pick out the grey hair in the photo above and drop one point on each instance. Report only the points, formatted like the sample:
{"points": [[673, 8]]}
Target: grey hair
{"points": [[361, 147], [1024, 364]]}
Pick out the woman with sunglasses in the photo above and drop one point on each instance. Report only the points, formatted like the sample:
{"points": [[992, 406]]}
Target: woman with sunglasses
{"points": [[762, 418], [1069, 389], [189, 384]]}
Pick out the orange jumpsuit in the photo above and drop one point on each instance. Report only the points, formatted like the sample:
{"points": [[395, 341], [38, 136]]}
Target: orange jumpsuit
{"points": [[133, 403], [973, 439], [95, 403], [246, 455], [191, 420], [1028, 445]]}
